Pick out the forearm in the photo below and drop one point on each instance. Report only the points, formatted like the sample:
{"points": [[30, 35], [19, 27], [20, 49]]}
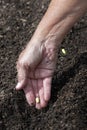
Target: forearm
{"points": [[60, 17]]}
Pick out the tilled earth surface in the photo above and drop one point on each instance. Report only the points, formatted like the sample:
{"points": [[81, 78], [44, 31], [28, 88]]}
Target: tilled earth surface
{"points": [[67, 109]]}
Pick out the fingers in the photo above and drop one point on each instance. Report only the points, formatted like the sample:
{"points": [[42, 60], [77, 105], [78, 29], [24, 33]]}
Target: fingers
{"points": [[39, 93], [43, 103], [38, 89], [47, 88], [29, 93], [20, 85], [36, 92], [22, 75]]}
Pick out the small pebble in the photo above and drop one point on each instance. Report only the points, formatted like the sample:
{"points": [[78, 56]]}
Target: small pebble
{"points": [[1, 36], [23, 20]]}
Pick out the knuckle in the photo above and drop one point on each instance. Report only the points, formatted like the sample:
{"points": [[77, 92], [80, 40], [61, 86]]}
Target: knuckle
{"points": [[21, 63]]}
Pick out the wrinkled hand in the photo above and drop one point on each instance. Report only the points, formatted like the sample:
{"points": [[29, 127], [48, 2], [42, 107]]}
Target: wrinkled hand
{"points": [[35, 68]]}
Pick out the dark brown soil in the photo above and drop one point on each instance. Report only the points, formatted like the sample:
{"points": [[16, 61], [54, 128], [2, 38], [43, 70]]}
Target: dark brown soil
{"points": [[67, 109]]}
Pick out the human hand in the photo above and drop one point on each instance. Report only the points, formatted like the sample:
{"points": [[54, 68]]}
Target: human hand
{"points": [[35, 68]]}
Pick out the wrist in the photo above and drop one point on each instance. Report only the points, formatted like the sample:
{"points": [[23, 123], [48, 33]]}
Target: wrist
{"points": [[56, 31]]}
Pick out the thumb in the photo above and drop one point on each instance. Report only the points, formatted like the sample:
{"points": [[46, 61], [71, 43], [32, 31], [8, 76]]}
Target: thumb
{"points": [[20, 85], [22, 76]]}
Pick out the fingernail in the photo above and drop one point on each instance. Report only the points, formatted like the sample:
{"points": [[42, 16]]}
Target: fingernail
{"points": [[18, 85], [38, 108]]}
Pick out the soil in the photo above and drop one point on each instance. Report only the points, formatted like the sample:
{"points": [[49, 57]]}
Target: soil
{"points": [[67, 109]]}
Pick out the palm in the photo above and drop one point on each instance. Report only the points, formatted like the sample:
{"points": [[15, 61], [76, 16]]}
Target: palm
{"points": [[39, 82]]}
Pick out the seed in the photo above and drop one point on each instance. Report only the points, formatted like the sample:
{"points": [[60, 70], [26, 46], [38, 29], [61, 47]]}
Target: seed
{"points": [[37, 100], [63, 51]]}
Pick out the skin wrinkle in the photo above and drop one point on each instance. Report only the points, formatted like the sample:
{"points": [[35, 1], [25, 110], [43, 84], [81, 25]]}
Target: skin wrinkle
{"points": [[54, 30]]}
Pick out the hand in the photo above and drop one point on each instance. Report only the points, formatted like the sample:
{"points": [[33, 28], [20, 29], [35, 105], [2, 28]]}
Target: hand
{"points": [[35, 68]]}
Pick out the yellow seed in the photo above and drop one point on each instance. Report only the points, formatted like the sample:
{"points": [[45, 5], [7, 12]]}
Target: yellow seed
{"points": [[37, 100], [64, 51]]}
